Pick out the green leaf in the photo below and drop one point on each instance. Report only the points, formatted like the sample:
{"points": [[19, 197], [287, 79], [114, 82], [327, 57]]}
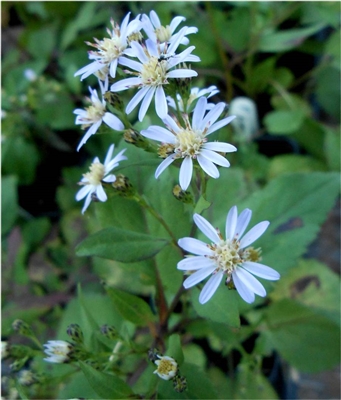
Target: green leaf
{"points": [[286, 163], [106, 385], [332, 147], [41, 42], [283, 122], [131, 307], [281, 41], [121, 245], [328, 91], [222, 307], [9, 202], [304, 338], [201, 205], [174, 349]]}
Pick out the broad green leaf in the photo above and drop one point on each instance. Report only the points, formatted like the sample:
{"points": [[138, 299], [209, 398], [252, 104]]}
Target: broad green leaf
{"points": [[238, 20], [252, 384], [328, 91], [306, 339], [108, 386], [121, 245], [332, 148], [222, 307], [271, 41], [311, 137], [283, 121], [131, 307], [286, 163], [35, 230], [9, 202], [21, 391], [174, 349], [77, 387], [194, 354], [46, 37]]}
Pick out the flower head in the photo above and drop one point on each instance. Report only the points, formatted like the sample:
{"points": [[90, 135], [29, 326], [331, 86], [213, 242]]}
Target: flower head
{"points": [[190, 142], [167, 367], [194, 95], [58, 351], [152, 73], [93, 116], [109, 50], [231, 257], [92, 181]]}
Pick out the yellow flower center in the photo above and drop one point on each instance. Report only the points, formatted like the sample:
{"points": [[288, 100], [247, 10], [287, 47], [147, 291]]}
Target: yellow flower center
{"points": [[96, 174], [94, 113], [163, 34], [154, 72], [189, 143], [110, 49], [166, 368]]}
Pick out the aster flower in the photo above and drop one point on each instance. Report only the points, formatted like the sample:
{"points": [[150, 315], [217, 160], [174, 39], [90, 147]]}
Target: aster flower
{"points": [[194, 95], [109, 50], [152, 74], [190, 143], [93, 116], [167, 367], [230, 257], [163, 34], [58, 351], [92, 180]]}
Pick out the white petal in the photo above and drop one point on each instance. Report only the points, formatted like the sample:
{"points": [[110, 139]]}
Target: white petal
{"points": [[152, 48], [146, 103], [231, 223], [194, 263], [114, 162], [109, 154], [220, 124], [158, 133], [83, 192], [89, 69], [212, 116], [198, 276], [155, 19], [136, 99], [176, 22], [125, 84], [210, 287], [181, 73], [91, 131], [254, 233], [242, 222], [136, 66], [177, 40], [206, 228], [112, 121], [100, 193], [109, 179], [198, 113], [215, 157], [245, 293], [195, 246], [165, 163], [139, 52], [261, 270], [186, 171], [219, 146], [169, 121], [113, 68], [208, 167], [161, 106], [87, 202], [250, 281]]}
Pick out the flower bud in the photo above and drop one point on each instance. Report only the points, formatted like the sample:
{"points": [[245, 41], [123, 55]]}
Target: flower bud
{"points": [[179, 383], [134, 137], [109, 331], [75, 332], [153, 354], [18, 364], [167, 367], [114, 100], [183, 195], [22, 328]]}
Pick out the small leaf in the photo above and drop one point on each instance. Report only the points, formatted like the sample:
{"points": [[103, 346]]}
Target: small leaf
{"points": [[201, 205], [283, 121], [131, 307], [121, 245], [174, 349], [106, 385]]}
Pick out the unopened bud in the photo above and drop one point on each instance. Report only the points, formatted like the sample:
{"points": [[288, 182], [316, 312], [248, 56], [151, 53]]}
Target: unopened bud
{"points": [[123, 186], [153, 354], [75, 332], [109, 331], [18, 364], [22, 328], [27, 378], [134, 137], [179, 383], [114, 100], [183, 195]]}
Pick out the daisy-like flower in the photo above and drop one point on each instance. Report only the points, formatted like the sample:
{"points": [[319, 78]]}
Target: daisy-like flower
{"points": [[152, 74], [58, 351], [194, 95], [190, 143], [167, 367], [93, 116], [109, 50], [163, 34], [232, 257], [92, 181]]}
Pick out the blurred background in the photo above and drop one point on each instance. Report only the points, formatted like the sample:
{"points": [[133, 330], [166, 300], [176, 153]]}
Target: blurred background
{"points": [[277, 65]]}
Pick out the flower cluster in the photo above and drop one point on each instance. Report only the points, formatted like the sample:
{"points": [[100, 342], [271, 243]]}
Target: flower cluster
{"points": [[155, 60]]}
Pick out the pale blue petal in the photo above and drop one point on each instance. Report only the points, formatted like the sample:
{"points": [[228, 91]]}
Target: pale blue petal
{"points": [[206, 228], [210, 287]]}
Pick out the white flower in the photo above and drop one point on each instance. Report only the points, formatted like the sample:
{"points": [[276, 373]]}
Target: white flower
{"points": [[195, 94], [167, 367], [191, 142], [152, 74], [93, 116], [230, 257], [30, 75], [92, 180], [58, 351], [4, 349], [163, 34], [109, 50]]}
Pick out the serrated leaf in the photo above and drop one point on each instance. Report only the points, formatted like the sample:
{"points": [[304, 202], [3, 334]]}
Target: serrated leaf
{"points": [[121, 245], [222, 307], [131, 307], [108, 386]]}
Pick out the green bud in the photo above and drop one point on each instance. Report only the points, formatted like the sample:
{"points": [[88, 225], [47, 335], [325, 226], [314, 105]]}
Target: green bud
{"points": [[93, 363], [75, 332], [110, 332], [179, 383], [18, 364], [123, 186], [182, 195], [114, 100], [22, 328], [153, 354], [134, 137]]}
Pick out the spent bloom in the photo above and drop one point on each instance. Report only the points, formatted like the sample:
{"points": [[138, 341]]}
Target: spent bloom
{"points": [[109, 50], [93, 116], [152, 72], [164, 34], [167, 367], [194, 95], [58, 351], [190, 143], [231, 257], [92, 181]]}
